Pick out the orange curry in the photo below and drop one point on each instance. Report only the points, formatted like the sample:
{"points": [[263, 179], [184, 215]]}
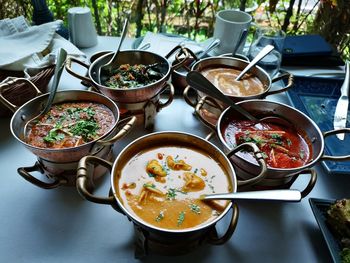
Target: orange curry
{"points": [[162, 187]]}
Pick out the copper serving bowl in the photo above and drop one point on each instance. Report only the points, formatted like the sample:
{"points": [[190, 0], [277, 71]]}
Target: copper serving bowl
{"points": [[169, 238], [70, 155], [132, 57], [178, 77], [237, 64], [297, 119]]}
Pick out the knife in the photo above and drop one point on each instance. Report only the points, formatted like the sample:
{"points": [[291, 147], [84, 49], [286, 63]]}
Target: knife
{"points": [[341, 110]]}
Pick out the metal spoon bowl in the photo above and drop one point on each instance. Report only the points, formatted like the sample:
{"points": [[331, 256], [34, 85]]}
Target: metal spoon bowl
{"points": [[61, 58]]}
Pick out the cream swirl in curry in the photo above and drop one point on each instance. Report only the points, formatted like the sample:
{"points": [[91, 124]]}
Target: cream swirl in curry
{"points": [[162, 186], [224, 79]]}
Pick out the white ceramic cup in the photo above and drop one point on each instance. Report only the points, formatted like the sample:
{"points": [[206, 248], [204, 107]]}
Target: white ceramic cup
{"points": [[229, 25], [82, 32]]}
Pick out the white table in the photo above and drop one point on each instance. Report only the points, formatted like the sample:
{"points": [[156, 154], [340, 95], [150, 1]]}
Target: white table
{"points": [[38, 225]]}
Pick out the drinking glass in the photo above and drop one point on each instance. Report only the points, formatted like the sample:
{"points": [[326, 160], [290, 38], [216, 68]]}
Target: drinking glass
{"points": [[268, 36]]}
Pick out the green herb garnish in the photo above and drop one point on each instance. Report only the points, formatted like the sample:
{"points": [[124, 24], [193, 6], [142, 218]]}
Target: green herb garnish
{"points": [[171, 194], [86, 129], [195, 208], [181, 218], [160, 216], [53, 136]]}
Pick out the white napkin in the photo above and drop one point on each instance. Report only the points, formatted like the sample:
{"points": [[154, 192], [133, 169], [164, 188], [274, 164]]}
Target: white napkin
{"points": [[26, 48], [162, 44]]}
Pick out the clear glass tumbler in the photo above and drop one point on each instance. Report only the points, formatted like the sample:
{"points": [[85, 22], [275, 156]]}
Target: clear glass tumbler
{"points": [[265, 36]]}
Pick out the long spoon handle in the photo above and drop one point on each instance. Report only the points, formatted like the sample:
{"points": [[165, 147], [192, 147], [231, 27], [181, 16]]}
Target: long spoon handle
{"points": [[125, 26], [266, 50], [61, 58], [266, 195], [201, 83], [212, 45]]}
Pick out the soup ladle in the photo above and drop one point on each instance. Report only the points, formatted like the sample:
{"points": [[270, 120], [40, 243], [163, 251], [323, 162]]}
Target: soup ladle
{"points": [[61, 58], [290, 195], [201, 83]]}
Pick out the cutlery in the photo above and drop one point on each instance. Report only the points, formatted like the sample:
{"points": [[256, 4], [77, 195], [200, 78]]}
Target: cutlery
{"points": [[266, 50], [61, 58], [201, 83], [341, 110], [209, 47], [266, 195], [111, 64]]}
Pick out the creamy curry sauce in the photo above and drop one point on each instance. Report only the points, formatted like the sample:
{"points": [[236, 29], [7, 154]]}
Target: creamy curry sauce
{"points": [[162, 187], [224, 79]]}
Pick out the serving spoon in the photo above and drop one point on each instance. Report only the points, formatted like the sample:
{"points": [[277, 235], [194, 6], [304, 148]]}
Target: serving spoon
{"points": [[111, 64], [266, 50], [61, 58], [266, 195], [201, 83]]}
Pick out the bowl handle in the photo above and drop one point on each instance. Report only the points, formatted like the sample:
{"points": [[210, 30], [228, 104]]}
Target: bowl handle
{"points": [[69, 69], [182, 61], [162, 105], [122, 132], [290, 83], [336, 158], [187, 97], [259, 158], [25, 173], [212, 237], [199, 106], [9, 81], [82, 180], [312, 181]]}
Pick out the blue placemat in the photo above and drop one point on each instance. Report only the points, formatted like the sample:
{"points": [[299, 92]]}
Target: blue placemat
{"points": [[317, 97]]}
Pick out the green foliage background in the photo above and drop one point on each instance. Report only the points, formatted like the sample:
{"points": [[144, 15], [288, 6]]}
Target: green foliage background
{"points": [[195, 18]]}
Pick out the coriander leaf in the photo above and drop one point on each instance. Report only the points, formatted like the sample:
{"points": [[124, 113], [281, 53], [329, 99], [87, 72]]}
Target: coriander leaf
{"points": [[181, 218], [195, 208], [160, 216], [171, 194], [86, 129], [53, 136]]}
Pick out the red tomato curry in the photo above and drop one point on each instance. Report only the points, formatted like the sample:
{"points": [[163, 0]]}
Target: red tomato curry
{"points": [[71, 124], [282, 147], [162, 187]]}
